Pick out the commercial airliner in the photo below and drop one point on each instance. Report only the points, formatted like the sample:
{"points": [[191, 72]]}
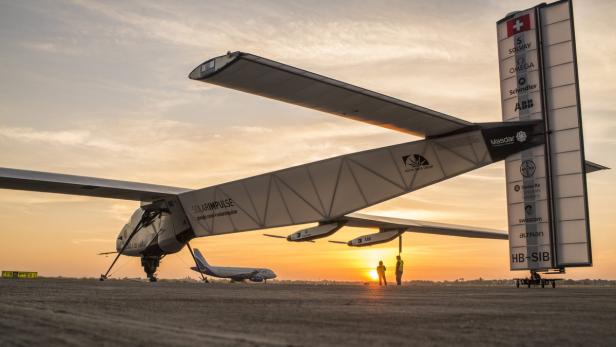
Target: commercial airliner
{"points": [[235, 274]]}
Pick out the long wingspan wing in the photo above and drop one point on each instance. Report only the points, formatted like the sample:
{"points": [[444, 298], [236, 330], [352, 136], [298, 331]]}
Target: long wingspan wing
{"points": [[369, 221], [264, 77], [329, 189], [80, 185]]}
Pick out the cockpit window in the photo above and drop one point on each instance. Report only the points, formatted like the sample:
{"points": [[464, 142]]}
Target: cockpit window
{"points": [[208, 67]]}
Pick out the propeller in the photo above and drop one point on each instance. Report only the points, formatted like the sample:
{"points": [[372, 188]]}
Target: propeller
{"points": [[107, 253], [275, 236], [339, 242], [284, 237]]}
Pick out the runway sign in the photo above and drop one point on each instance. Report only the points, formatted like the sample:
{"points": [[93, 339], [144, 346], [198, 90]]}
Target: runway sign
{"points": [[546, 185], [19, 274]]}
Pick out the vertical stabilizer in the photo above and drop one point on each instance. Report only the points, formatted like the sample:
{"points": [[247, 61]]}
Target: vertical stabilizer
{"points": [[201, 260], [546, 185]]}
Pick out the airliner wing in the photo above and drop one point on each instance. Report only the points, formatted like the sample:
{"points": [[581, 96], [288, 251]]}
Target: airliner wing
{"points": [[256, 75], [243, 276], [81, 185], [369, 221]]}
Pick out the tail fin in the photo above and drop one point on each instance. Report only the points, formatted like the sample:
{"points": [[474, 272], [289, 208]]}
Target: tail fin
{"points": [[201, 260], [546, 185]]}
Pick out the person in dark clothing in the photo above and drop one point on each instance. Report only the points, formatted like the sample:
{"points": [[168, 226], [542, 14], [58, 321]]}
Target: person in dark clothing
{"points": [[381, 271], [399, 270], [535, 276]]}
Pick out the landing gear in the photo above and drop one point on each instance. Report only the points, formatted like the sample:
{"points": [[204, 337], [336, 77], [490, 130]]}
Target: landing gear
{"points": [[150, 264]]}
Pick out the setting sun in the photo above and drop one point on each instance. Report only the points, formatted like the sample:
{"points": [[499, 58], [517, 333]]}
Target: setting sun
{"points": [[373, 275]]}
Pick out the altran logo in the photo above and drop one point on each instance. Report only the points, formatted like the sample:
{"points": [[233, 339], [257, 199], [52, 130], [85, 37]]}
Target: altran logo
{"points": [[521, 136]]}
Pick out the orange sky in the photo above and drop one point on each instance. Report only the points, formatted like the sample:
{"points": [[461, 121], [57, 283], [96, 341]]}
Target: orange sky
{"points": [[101, 90]]}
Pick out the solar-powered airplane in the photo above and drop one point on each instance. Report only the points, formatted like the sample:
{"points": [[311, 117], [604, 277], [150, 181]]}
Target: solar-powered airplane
{"points": [[327, 192], [544, 158]]}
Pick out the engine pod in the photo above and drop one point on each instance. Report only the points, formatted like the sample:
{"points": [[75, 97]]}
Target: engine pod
{"points": [[308, 234], [374, 239]]}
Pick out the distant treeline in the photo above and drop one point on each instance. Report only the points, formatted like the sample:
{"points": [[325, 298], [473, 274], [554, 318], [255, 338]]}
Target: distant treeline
{"points": [[458, 282]]}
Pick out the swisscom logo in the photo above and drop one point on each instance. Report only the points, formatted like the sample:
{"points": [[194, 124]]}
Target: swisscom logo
{"points": [[520, 136]]}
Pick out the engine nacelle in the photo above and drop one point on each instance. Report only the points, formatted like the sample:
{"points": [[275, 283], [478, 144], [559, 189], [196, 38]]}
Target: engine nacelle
{"points": [[309, 234], [374, 239]]}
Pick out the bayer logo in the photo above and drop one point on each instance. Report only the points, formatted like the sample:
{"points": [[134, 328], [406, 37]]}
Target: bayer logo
{"points": [[527, 168]]}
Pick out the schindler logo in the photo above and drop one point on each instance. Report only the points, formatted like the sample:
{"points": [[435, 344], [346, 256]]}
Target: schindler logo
{"points": [[416, 162]]}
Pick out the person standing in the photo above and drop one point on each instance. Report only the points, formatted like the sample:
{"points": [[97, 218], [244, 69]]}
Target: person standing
{"points": [[399, 270], [381, 271]]}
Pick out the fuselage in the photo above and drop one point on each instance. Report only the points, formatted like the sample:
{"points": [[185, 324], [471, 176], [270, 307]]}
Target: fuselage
{"points": [[161, 235], [237, 273]]}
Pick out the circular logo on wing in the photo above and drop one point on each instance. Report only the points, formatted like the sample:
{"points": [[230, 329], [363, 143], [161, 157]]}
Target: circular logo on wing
{"points": [[521, 136], [527, 168]]}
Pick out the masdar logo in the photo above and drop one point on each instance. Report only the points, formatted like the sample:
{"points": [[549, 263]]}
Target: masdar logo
{"points": [[414, 162]]}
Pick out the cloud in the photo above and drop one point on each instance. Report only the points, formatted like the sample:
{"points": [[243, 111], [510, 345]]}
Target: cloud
{"points": [[49, 47], [68, 137]]}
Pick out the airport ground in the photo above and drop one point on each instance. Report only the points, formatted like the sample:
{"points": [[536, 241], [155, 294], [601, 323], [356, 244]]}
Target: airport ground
{"points": [[125, 312]]}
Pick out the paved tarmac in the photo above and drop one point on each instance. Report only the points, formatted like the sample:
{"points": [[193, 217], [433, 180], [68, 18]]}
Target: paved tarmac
{"points": [[125, 312]]}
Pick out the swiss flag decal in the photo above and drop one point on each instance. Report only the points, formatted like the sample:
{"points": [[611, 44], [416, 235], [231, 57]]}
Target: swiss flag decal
{"points": [[518, 25]]}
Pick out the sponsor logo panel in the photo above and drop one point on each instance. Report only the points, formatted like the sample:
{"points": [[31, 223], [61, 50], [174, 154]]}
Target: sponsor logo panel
{"points": [[519, 192], [518, 137], [522, 106], [518, 44], [521, 236], [416, 162], [528, 212], [520, 85]]}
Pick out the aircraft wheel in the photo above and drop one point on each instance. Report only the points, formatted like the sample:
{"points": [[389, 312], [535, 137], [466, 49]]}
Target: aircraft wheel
{"points": [[517, 283], [542, 284], [554, 284]]}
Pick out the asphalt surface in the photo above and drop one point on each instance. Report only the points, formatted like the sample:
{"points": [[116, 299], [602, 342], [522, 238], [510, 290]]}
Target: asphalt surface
{"points": [[124, 312]]}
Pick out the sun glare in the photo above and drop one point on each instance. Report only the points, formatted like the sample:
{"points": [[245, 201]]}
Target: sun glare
{"points": [[373, 275]]}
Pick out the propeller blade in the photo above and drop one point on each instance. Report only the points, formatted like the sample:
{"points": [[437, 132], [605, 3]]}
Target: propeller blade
{"points": [[275, 236], [284, 237], [339, 242], [107, 253]]}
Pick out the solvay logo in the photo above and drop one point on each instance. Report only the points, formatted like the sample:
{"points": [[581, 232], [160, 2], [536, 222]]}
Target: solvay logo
{"points": [[521, 136]]}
